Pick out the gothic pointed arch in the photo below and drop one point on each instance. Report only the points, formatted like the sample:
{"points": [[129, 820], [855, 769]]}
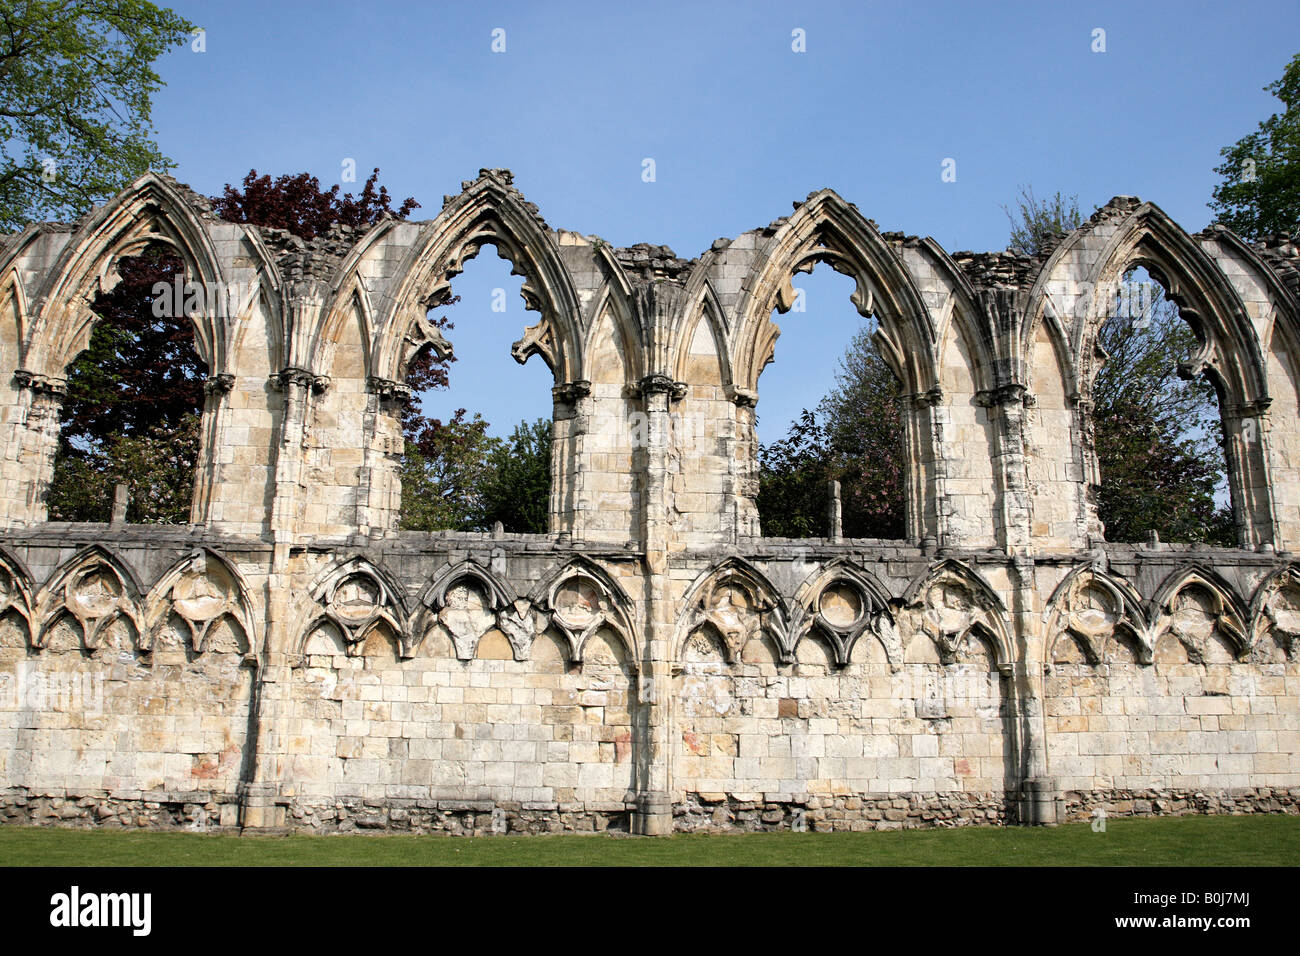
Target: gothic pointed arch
{"points": [[353, 595], [489, 210], [614, 310], [1194, 603], [1275, 610], [978, 317], [704, 309], [1081, 278], [826, 228], [348, 291], [269, 289], [15, 312], [1050, 321], [202, 590], [1262, 271], [16, 591], [1230, 351], [844, 602], [739, 604], [94, 588], [615, 298], [467, 600], [355, 305], [1141, 234], [1094, 609], [951, 603], [152, 210], [581, 598]]}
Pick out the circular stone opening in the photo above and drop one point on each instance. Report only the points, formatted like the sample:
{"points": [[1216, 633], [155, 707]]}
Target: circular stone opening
{"points": [[840, 605], [577, 602]]}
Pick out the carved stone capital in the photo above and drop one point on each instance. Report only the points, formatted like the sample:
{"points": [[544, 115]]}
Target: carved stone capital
{"points": [[304, 378], [570, 392], [388, 390], [219, 384], [930, 397], [1255, 409], [741, 397], [1011, 394], [661, 384], [41, 384]]}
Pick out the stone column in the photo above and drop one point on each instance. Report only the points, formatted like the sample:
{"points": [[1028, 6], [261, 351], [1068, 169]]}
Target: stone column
{"points": [[260, 790], [1038, 791], [1091, 530], [926, 418], [742, 467], [1245, 429], [379, 499], [215, 388], [1006, 405], [570, 421], [655, 810], [834, 511], [42, 399]]}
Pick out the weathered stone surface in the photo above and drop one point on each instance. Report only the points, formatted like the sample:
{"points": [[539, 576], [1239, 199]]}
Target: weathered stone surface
{"points": [[292, 660]]}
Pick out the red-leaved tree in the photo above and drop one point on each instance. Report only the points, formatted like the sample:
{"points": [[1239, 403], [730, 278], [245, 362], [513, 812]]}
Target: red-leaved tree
{"points": [[135, 395], [299, 205]]}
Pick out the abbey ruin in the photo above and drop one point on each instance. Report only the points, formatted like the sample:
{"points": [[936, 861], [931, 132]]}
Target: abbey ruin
{"points": [[290, 659]]}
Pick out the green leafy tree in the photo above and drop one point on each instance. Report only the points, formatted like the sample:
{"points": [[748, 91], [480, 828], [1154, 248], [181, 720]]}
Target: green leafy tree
{"points": [[135, 395], [133, 405], [76, 88], [1260, 191], [518, 489], [157, 467], [1036, 225], [854, 437], [445, 471], [864, 421], [1158, 436], [793, 472]]}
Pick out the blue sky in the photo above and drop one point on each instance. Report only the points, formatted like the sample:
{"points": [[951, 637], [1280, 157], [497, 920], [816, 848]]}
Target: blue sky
{"points": [[738, 124]]}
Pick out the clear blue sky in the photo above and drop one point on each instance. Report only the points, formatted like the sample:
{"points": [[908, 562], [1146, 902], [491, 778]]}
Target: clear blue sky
{"points": [[738, 124]]}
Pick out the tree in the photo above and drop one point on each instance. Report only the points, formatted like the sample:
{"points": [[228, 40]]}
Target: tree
{"points": [[135, 395], [1158, 436], [864, 420], [76, 88], [445, 465], [445, 470], [793, 472], [299, 205], [518, 489], [858, 442], [1260, 192], [133, 405], [1036, 225]]}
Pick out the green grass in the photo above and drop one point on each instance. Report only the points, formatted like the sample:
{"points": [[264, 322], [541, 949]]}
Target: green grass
{"points": [[1182, 841]]}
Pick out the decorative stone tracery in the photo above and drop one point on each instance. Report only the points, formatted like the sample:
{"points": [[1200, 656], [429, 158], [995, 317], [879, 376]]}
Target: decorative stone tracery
{"points": [[653, 650], [94, 590], [202, 591]]}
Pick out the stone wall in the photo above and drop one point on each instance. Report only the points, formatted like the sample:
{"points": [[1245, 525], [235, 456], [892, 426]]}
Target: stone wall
{"points": [[291, 659]]}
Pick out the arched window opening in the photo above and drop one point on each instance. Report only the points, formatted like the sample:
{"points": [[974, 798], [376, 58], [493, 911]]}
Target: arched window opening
{"points": [[477, 451], [133, 410], [1158, 436], [816, 427]]}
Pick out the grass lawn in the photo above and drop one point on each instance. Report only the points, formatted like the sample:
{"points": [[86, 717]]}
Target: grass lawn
{"points": [[1272, 840]]}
